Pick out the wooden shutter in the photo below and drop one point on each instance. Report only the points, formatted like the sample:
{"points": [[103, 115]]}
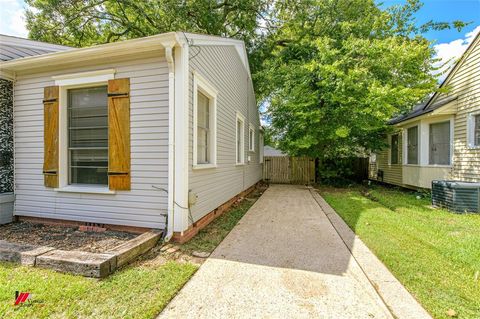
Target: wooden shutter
{"points": [[119, 134], [50, 136]]}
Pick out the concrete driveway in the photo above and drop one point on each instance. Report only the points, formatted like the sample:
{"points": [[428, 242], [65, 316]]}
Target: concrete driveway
{"points": [[283, 260]]}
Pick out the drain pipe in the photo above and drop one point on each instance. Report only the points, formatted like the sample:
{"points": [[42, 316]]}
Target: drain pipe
{"points": [[171, 141]]}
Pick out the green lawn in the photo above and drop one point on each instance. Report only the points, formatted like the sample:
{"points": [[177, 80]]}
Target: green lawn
{"points": [[434, 253], [140, 290], [212, 235], [137, 291]]}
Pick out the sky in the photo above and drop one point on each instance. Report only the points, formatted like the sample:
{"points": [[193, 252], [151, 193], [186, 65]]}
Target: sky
{"points": [[449, 44]]}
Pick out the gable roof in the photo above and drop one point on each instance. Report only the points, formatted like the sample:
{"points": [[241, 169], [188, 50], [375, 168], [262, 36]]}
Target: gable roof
{"points": [[432, 104], [14, 47], [126, 47], [421, 109], [456, 67]]}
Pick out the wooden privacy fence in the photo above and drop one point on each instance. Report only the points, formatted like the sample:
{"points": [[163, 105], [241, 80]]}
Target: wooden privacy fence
{"points": [[289, 170]]}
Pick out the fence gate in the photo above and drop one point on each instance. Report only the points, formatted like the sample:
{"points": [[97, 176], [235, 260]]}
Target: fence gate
{"points": [[289, 170]]}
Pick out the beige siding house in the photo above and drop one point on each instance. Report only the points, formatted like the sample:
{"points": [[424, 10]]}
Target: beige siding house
{"points": [[142, 133], [439, 140]]}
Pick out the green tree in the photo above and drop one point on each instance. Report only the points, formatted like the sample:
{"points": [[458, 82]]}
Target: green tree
{"points": [[331, 72], [80, 23], [85, 22], [339, 69]]}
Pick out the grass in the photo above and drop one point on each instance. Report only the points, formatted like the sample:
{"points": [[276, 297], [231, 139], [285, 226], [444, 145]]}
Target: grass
{"points": [[433, 252], [140, 290], [137, 291], [212, 235]]}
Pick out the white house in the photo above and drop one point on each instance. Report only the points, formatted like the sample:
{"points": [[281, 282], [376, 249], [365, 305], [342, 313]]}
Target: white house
{"points": [[155, 132], [438, 140]]}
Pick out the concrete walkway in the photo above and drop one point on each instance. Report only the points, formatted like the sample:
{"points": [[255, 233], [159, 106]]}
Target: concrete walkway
{"points": [[283, 260]]}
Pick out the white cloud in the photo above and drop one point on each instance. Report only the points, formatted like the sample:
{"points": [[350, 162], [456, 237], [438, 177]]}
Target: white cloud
{"points": [[12, 18], [450, 52]]}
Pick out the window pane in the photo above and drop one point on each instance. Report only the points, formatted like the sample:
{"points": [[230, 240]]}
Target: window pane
{"points": [[412, 147], [86, 175], [477, 131], [250, 140], [440, 143], [202, 146], [88, 135], [239, 141], [394, 149], [202, 110], [203, 131], [88, 166]]}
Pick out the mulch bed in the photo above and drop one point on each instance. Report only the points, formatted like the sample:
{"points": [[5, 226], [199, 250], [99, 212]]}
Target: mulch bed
{"points": [[61, 237]]}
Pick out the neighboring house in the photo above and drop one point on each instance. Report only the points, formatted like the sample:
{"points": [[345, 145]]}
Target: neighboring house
{"points": [[439, 140], [273, 152], [12, 48], [155, 132]]}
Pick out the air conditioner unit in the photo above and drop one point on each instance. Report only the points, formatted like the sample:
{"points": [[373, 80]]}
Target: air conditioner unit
{"points": [[456, 196]]}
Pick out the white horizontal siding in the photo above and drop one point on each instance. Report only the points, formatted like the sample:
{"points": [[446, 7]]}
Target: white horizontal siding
{"points": [[465, 84], [143, 205], [223, 69]]}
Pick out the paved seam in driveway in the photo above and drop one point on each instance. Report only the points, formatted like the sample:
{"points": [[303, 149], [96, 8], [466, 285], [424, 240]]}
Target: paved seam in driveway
{"points": [[284, 259]]}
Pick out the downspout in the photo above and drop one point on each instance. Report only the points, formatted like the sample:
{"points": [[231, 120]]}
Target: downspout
{"points": [[171, 141]]}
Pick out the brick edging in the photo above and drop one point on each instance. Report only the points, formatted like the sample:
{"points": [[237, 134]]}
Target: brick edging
{"points": [[74, 223]]}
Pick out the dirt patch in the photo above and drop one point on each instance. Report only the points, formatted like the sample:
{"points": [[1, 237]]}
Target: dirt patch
{"points": [[60, 237]]}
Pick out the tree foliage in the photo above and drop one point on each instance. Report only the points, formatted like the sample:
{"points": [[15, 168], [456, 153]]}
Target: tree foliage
{"points": [[330, 72], [339, 70]]}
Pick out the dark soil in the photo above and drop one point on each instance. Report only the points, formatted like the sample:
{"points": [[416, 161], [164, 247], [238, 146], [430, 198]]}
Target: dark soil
{"points": [[61, 237]]}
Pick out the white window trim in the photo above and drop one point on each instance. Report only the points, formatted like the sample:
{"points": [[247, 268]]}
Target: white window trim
{"points": [[85, 189], [240, 117], [84, 78], [202, 85], [251, 128], [470, 130], [425, 150], [67, 82]]}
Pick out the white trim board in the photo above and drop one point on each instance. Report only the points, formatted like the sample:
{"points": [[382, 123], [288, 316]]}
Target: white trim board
{"points": [[84, 78], [470, 130], [241, 117], [200, 84]]}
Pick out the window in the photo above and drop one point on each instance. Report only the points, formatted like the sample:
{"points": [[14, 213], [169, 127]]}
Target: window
{"points": [[240, 139], [412, 145], [251, 138], [439, 144], [474, 130], [203, 129], [87, 111], [394, 149], [204, 124]]}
